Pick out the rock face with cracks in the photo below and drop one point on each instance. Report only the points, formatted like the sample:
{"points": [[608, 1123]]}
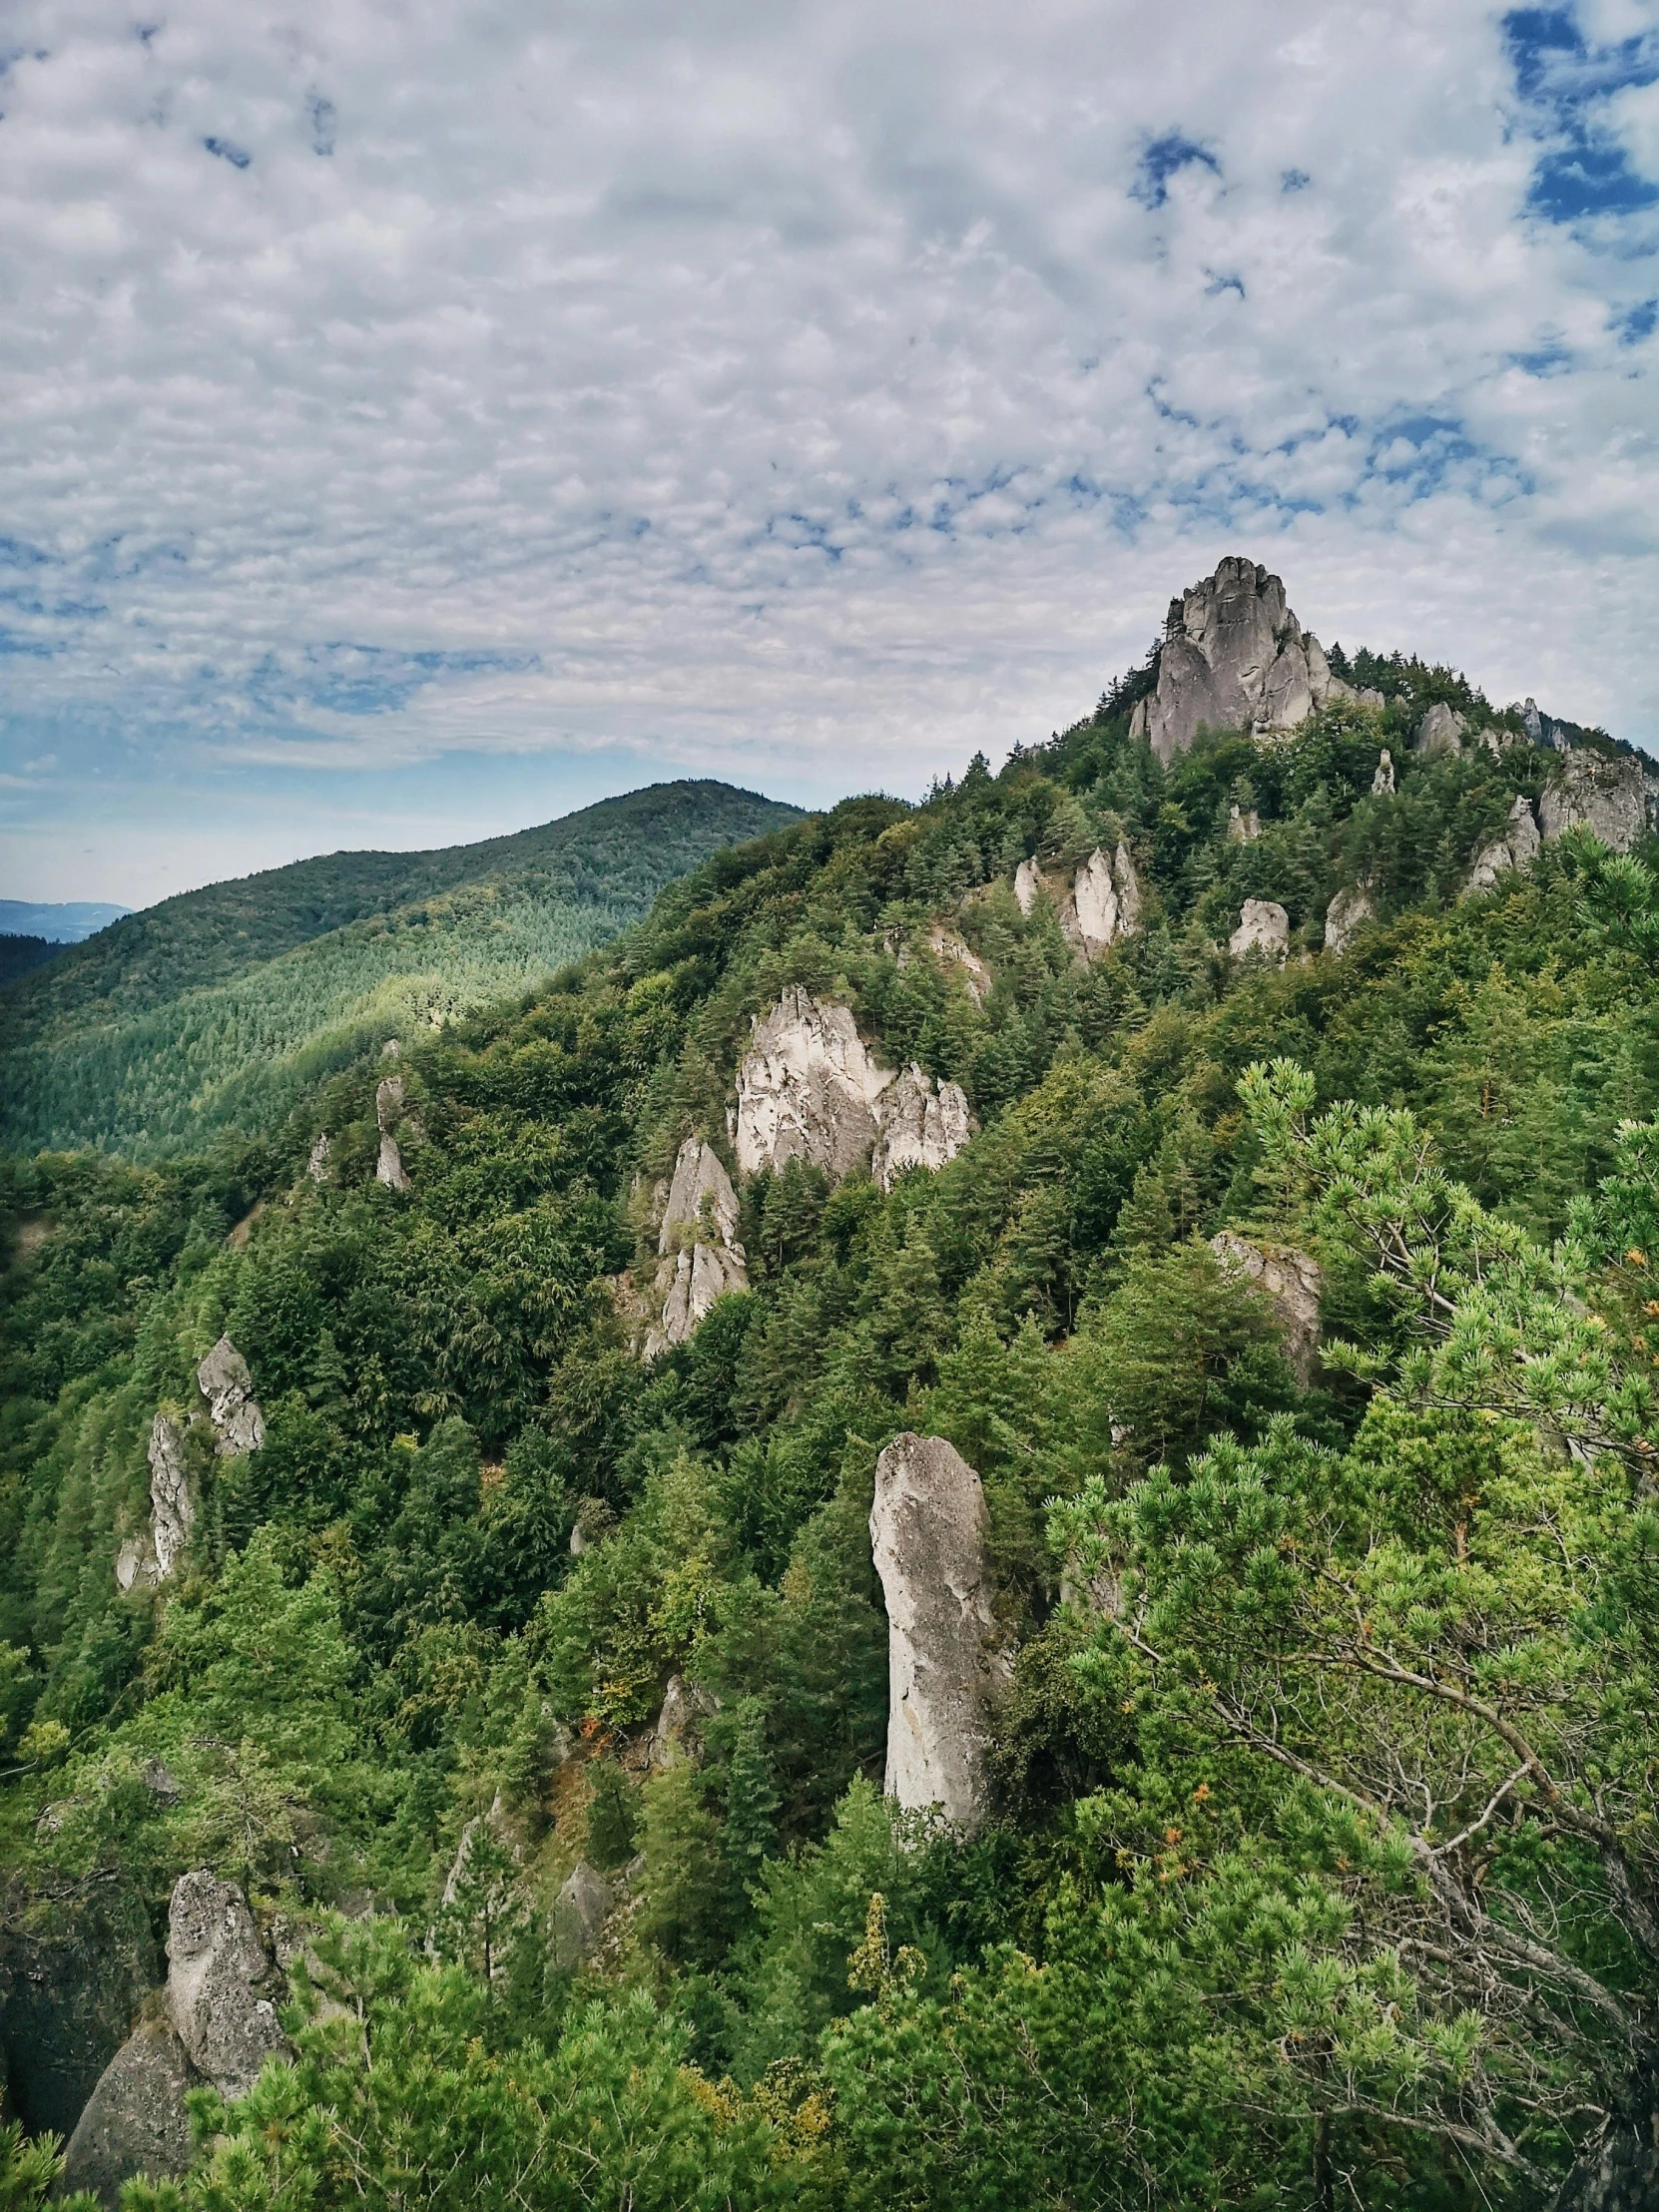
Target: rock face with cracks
{"points": [[580, 1910], [223, 1381], [701, 1258], [221, 1987], [1264, 926], [928, 1531], [1102, 906], [388, 1111], [135, 2121], [1442, 729], [1606, 792], [1290, 1281], [1234, 657], [1517, 845], [1346, 913], [810, 1089]]}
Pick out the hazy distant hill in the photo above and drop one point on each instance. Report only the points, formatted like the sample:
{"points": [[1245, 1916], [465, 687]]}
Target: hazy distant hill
{"points": [[64, 921], [211, 1009]]}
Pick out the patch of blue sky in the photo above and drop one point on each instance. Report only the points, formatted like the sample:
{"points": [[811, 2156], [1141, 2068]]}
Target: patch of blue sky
{"points": [[227, 150], [1549, 358], [346, 679], [1294, 180], [1163, 158], [1637, 322], [1586, 174]]}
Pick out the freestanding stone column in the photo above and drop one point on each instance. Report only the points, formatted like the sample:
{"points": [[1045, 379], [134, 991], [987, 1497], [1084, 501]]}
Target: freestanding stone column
{"points": [[927, 1527]]}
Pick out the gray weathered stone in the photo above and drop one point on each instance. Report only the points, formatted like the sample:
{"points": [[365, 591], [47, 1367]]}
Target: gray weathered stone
{"points": [[1344, 914], [1234, 657], [1440, 730], [1515, 849], [1104, 905], [135, 2121], [928, 1531], [221, 1989], [1382, 783], [686, 1705], [1606, 792], [389, 1112], [147, 1558], [1242, 827], [920, 1125], [806, 1089], [1264, 926], [223, 1381], [583, 1906], [316, 1167], [1028, 883], [700, 1256], [1290, 1281]]}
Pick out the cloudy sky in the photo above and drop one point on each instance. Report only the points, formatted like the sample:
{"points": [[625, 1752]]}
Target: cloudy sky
{"points": [[418, 417]]}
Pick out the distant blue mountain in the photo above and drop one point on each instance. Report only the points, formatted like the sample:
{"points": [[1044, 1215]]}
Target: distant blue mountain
{"points": [[63, 925]]}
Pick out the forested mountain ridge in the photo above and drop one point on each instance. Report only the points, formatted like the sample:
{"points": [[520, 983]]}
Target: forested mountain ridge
{"points": [[1278, 1317], [214, 1009]]}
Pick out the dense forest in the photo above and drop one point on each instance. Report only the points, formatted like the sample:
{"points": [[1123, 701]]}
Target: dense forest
{"points": [[217, 1009], [534, 1692]]}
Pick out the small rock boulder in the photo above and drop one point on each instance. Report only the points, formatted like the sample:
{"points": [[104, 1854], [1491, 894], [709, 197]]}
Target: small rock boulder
{"points": [[1348, 912], [1105, 902], [223, 1381], [1243, 827], [1264, 927], [1382, 783], [1290, 1281], [1514, 849], [920, 1125], [135, 2121], [584, 1904], [927, 1531], [222, 1989], [686, 1705], [1028, 881], [316, 1167]]}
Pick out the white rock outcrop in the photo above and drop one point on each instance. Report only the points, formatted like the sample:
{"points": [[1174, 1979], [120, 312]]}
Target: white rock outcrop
{"points": [[222, 1989], [921, 1126], [1105, 902], [1441, 729], [1028, 881], [1513, 849], [1243, 827], [952, 950], [1606, 792], [1234, 657], [1290, 1281], [700, 1256], [810, 1089], [316, 1167], [927, 1531], [223, 1381], [389, 1112], [1382, 783], [1264, 926], [1344, 914], [145, 1561]]}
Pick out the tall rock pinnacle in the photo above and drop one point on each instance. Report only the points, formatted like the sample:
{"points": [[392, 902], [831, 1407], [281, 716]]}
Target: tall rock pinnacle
{"points": [[1235, 658]]}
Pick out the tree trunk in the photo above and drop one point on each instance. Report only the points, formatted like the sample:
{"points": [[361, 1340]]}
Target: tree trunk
{"points": [[1619, 2171]]}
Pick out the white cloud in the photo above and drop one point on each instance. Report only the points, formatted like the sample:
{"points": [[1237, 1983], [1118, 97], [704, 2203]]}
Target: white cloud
{"points": [[800, 393]]}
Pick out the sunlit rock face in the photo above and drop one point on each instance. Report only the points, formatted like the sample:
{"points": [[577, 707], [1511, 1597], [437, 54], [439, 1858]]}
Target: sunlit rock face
{"points": [[1441, 729], [1517, 844], [220, 1986], [806, 1089], [701, 1258], [1100, 907], [389, 1112], [1606, 792], [1234, 657], [927, 1531], [1290, 1281], [920, 1125], [1348, 912], [223, 1381], [1264, 927]]}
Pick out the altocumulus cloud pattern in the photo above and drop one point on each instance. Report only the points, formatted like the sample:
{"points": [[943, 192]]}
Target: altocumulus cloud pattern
{"points": [[801, 393]]}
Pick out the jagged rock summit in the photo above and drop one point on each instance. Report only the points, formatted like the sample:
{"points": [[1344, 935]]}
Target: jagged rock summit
{"points": [[1234, 657]]}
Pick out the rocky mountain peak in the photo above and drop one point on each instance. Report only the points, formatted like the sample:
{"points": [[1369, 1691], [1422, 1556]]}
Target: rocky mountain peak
{"points": [[1234, 657]]}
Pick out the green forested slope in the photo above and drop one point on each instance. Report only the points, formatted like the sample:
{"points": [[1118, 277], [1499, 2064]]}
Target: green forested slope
{"points": [[1320, 1867], [215, 1009]]}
